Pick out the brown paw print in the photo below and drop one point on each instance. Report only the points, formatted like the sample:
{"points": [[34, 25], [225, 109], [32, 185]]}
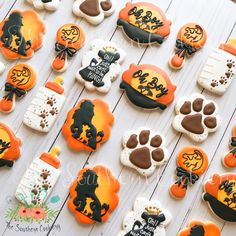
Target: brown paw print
{"points": [[45, 174], [51, 101], [43, 123], [35, 189], [229, 74], [230, 64], [46, 185], [223, 80], [43, 114], [214, 83], [143, 150], [54, 111], [36, 201]]}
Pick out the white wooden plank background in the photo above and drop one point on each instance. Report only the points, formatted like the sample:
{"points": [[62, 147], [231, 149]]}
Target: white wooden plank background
{"points": [[218, 17]]}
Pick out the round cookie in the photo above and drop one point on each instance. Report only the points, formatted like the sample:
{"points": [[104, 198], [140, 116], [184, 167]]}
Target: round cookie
{"points": [[191, 163], [50, 5], [144, 23], [21, 34], [191, 37], [2, 67], [148, 86], [93, 195], [100, 66]]}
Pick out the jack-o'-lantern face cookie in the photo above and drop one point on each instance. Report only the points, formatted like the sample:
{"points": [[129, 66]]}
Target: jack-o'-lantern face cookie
{"points": [[20, 79], [21, 34], [50, 5], [220, 194], [9, 146], [199, 228], [196, 117], [191, 163], [148, 87], [191, 37], [88, 125], [70, 38], [93, 195], [144, 23]]}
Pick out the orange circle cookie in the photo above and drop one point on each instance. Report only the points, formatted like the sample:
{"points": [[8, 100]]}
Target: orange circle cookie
{"points": [[20, 78], [70, 38], [9, 146], [199, 228], [88, 125], [93, 195], [21, 34], [191, 163]]}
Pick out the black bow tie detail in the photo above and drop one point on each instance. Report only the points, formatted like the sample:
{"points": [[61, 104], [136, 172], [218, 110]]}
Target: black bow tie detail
{"points": [[184, 48], [13, 90], [186, 177], [233, 144], [63, 51]]}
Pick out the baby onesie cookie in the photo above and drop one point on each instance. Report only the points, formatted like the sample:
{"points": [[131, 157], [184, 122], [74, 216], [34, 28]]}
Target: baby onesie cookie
{"points": [[94, 195], [39, 179], [20, 79], [94, 11], [2, 67], [147, 218], [88, 125], [219, 69], [50, 5], [148, 86], [191, 163], [144, 23], [196, 117], [9, 146], [143, 150], [200, 228], [21, 34], [100, 66], [220, 194], [70, 38], [45, 107], [191, 37]]}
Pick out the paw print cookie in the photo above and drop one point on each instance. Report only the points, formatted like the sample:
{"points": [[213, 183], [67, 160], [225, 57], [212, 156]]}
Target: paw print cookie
{"points": [[200, 228], [147, 218], [94, 195], [219, 69], [191, 163], [220, 195], [100, 66], [143, 151], [21, 34], [50, 5], [94, 11], [196, 117], [144, 23], [88, 125], [148, 87]]}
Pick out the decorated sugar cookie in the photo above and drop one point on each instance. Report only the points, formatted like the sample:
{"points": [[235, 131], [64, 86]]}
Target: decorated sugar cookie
{"points": [[100, 66], [2, 67], [219, 69], [191, 163], [9, 146], [220, 194], [94, 11], [147, 218], [229, 159], [144, 23], [88, 125], [148, 86], [191, 37], [39, 179], [70, 38], [21, 34], [144, 150], [20, 79], [50, 5], [93, 195], [45, 107], [196, 117], [200, 228]]}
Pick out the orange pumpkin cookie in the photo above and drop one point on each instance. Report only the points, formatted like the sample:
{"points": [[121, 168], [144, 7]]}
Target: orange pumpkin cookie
{"points": [[93, 195], [191, 37], [70, 38], [199, 228], [220, 194], [9, 146], [20, 78], [21, 34], [191, 163], [88, 125], [148, 86], [229, 159], [144, 23]]}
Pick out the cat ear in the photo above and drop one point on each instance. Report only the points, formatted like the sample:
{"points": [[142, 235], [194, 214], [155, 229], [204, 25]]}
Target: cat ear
{"points": [[116, 57], [101, 54]]}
